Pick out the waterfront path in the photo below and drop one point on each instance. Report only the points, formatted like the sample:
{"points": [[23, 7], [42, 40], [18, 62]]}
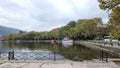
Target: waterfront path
{"points": [[94, 46], [56, 64]]}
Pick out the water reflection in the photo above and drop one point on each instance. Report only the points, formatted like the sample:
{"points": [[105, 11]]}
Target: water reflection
{"points": [[67, 44], [68, 51]]}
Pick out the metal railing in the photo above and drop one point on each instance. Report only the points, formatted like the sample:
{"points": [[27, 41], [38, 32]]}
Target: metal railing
{"points": [[54, 56]]}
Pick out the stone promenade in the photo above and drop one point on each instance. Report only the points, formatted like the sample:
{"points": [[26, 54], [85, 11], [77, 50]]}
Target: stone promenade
{"points": [[56, 64]]}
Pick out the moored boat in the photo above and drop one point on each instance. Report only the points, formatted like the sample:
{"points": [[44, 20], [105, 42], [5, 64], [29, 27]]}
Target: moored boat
{"points": [[67, 40]]}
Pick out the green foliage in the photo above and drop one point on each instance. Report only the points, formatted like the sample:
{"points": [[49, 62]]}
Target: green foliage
{"points": [[54, 33], [114, 17], [88, 28], [82, 29], [104, 31], [71, 24], [108, 4], [116, 33]]}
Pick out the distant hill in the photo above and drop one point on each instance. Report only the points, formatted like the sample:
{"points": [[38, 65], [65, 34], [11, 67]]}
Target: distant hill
{"points": [[8, 30]]}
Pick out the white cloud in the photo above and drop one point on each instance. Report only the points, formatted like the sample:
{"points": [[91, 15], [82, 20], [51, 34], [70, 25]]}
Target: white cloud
{"points": [[62, 6], [40, 15], [80, 4]]}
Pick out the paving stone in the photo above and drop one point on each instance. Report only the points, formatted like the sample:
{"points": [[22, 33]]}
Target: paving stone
{"points": [[79, 65], [12, 65], [32, 65], [58, 65]]}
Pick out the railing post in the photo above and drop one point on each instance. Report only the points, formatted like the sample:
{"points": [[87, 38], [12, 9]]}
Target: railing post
{"points": [[88, 56], [0, 54], [13, 55], [106, 56], [102, 55], [9, 55], [54, 56]]}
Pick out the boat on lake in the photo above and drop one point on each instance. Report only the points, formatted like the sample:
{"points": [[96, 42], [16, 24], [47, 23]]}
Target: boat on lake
{"points": [[67, 40], [18, 41]]}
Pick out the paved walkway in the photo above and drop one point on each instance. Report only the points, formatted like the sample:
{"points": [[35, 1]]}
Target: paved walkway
{"points": [[57, 64]]}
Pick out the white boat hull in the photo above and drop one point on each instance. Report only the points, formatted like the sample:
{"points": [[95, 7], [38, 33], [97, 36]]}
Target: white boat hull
{"points": [[67, 41]]}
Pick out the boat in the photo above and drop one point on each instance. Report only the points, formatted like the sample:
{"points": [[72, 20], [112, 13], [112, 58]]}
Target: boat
{"points": [[18, 41], [67, 40]]}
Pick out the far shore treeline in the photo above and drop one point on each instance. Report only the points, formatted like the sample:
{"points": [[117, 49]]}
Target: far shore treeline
{"points": [[78, 30]]}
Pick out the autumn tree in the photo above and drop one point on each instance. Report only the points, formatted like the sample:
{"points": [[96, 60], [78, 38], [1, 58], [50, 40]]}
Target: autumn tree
{"points": [[54, 33], [113, 7], [88, 28]]}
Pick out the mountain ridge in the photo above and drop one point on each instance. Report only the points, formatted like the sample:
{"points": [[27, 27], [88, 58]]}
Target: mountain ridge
{"points": [[8, 30]]}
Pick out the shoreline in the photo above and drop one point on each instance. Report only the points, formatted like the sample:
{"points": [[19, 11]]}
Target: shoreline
{"points": [[92, 46], [34, 41]]}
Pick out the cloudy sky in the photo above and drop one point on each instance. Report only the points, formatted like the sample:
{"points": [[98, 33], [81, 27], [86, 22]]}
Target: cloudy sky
{"points": [[44, 15]]}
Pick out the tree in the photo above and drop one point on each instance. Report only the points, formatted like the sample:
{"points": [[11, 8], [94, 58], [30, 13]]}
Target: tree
{"points": [[112, 6], [88, 28], [64, 31], [72, 33], [13, 37], [5, 37], [54, 33], [71, 24], [116, 33], [82, 29], [108, 4], [115, 17], [103, 31]]}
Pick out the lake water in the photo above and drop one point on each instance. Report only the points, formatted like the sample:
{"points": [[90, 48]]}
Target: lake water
{"points": [[47, 51]]}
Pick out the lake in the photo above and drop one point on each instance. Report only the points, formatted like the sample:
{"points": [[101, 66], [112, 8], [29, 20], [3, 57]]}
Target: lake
{"points": [[47, 51]]}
